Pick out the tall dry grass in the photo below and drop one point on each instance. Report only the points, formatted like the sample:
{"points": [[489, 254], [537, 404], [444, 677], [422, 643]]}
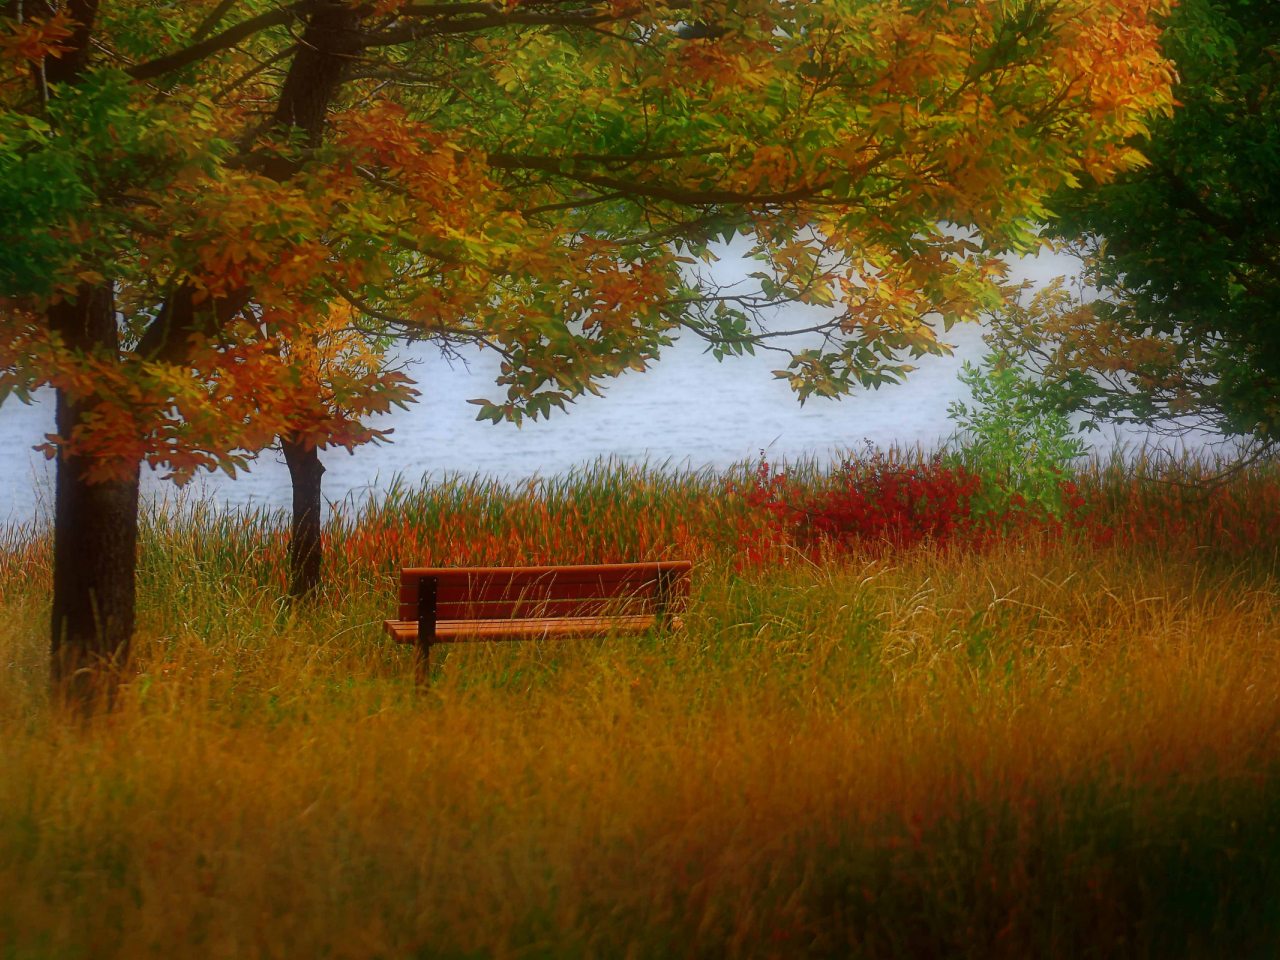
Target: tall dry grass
{"points": [[1049, 748]]}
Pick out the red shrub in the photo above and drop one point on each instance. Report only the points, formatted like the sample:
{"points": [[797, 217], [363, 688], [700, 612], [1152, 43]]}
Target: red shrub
{"points": [[884, 502]]}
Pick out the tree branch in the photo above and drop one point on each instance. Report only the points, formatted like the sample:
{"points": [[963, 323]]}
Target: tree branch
{"points": [[212, 20], [443, 25], [249, 75], [654, 191], [228, 38], [166, 338]]}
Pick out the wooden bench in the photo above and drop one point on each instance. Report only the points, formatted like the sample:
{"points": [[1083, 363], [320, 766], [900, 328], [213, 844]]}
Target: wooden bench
{"points": [[469, 604]]}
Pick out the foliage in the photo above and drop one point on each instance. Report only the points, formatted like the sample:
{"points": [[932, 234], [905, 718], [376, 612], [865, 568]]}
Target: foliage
{"points": [[1015, 438], [539, 213], [1184, 251], [879, 501], [614, 512], [885, 503], [928, 753]]}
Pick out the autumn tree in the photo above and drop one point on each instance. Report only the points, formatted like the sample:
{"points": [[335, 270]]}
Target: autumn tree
{"points": [[194, 189], [341, 370], [1185, 250], [518, 95]]}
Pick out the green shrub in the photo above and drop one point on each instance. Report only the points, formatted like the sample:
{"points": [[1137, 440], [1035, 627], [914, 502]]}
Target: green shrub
{"points": [[1015, 437]]}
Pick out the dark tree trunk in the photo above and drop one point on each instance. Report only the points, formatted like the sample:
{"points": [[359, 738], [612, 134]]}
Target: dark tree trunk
{"points": [[330, 44], [68, 67], [95, 549], [305, 555], [95, 540]]}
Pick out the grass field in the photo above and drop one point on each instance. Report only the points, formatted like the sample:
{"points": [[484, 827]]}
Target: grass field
{"points": [[1052, 746]]}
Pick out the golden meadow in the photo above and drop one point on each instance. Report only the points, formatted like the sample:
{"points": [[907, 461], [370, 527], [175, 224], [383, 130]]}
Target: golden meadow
{"points": [[1048, 747]]}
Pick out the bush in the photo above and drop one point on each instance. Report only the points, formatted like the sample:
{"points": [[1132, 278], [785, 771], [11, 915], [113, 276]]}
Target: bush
{"points": [[1016, 439], [879, 500]]}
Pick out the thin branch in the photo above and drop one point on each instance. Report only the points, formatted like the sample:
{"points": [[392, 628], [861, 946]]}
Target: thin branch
{"points": [[212, 20], [449, 26], [454, 9], [228, 38], [411, 327], [574, 204], [264, 65], [655, 191]]}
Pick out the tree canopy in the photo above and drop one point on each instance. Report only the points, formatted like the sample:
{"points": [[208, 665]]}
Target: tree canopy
{"points": [[191, 193], [524, 176], [1185, 249]]}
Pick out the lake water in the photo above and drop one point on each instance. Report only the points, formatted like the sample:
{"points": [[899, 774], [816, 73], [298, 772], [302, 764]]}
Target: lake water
{"points": [[687, 410]]}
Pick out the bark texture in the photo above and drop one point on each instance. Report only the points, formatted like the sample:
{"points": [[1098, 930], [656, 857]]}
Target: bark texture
{"points": [[95, 541], [330, 43], [305, 555]]}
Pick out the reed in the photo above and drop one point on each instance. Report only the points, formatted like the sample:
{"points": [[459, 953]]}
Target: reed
{"points": [[1051, 746]]}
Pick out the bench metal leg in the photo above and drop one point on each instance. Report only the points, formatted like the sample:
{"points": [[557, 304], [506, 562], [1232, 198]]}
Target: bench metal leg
{"points": [[422, 670]]}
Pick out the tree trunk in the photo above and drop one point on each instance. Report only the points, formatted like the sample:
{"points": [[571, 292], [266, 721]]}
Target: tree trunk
{"points": [[305, 555], [95, 539], [330, 44]]}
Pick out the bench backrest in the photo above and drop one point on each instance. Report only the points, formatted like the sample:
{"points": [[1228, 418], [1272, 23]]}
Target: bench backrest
{"points": [[505, 593]]}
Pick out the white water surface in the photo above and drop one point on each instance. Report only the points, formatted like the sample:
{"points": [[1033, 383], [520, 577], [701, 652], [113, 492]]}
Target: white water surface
{"points": [[687, 410]]}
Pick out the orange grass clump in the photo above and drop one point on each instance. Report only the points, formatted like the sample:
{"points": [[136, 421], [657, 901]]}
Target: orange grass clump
{"points": [[1049, 748]]}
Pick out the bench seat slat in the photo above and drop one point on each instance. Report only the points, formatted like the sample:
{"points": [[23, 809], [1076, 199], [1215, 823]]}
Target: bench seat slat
{"points": [[461, 631], [526, 609], [503, 593], [601, 572], [486, 590]]}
